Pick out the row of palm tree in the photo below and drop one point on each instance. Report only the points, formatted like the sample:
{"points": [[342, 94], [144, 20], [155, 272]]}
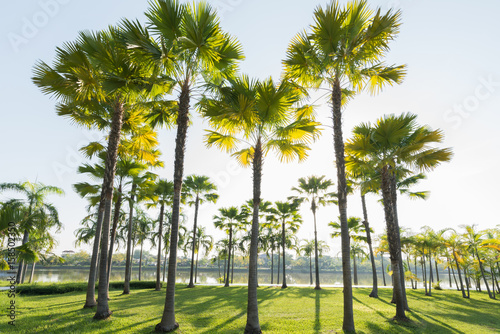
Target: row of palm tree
{"points": [[110, 79]]}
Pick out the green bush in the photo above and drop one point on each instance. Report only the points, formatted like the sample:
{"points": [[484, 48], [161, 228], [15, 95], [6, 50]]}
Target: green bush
{"points": [[59, 288]]}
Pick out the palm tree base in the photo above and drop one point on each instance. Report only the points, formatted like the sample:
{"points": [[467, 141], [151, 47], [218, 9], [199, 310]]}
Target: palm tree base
{"points": [[252, 330], [373, 295], [284, 286], [103, 315], [166, 329], [401, 319], [317, 288], [158, 289], [428, 294], [126, 293], [90, 305], [190, 285]]}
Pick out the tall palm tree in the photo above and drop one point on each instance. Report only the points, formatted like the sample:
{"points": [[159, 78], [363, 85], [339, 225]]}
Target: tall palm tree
{"points": [[267, 117], [36, 207], [344, 50], [144, 227], [392, 142], [287, 215], [96, 73], [314, 189], [199, 190], [187, 46]]}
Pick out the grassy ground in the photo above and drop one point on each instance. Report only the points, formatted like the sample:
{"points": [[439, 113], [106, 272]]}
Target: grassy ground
{"points": [[215, 309]]}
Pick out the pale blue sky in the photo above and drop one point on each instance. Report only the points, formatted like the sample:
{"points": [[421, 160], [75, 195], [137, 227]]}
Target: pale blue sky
{"points": [[453, 83]]}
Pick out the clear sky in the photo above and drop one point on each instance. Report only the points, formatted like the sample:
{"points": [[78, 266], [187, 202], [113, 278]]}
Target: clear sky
{"points": [[453, 83]]}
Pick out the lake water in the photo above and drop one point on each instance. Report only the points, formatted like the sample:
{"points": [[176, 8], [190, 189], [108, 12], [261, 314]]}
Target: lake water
{"points": [[294, 277]]}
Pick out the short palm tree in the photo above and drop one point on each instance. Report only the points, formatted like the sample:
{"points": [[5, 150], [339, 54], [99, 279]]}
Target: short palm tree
{"points": [[199, 190], [203, 241], [315, 189], [287, 215], [162, 194], [39, 214], [267, 117], [228, 219]]}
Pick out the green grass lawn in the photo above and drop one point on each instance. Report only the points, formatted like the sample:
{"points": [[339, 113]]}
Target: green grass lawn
{"points": [[215, 309]]}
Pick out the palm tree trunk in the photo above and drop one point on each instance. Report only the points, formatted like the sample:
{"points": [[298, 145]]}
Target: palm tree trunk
{"points": [[459, 275], [467, 283], [253, 325], [424, 271], [394, 194], [431, 278], [454, 276], [191, 284], [416, 272], [355, 269], [409, 268], [310, 269], [33, 272], [338, 143], [383, 268], [449, 271], [196, 268], [482, 274], [272, 265], [218, 263], [279, 264], [226, 284], [140, 263], [392, 238], [167, 322], [232, 267], [165, 264], [224, 269], [132, 261], [437, 272], [103, 311], [374, 292], [158, 260], [20, 269], [130, 250], [90, 298], [284, 286], [116, 217], [25, 268], [316, 252]]}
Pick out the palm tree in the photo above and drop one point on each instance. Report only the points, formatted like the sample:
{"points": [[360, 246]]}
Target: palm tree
{"points": [[392, 142], [344, 51], [96, 74], [203, 241], [199, 190], [227, 220], [285, 214], [144, 226], [474, 240], [271, 240], [308, 247], [355, 228], [267, 117], [186, 45], [455, 243], [163, 193], [314, 189], [36, 208]]}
